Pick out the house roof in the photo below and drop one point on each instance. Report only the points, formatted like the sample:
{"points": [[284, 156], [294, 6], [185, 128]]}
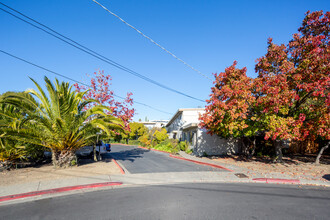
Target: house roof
{"points": [[148, 122], [179, 112], [189, 126], [153, 121]]}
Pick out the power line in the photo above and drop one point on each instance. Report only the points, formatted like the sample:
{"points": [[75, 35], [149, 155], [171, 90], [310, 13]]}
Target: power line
{"points": [[73, 80], [91, 52], [152, 41]]}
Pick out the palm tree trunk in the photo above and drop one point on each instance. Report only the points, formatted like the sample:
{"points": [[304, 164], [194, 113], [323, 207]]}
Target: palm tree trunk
{"points": [[317, 161], [54, 158], [65, 158], [94, 153]]}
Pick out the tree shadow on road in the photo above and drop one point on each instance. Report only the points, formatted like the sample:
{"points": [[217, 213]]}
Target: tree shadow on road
{"points": [[129, 155]]}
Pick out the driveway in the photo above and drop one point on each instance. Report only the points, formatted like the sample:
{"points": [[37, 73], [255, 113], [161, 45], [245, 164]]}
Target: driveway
{"points": [[138, 160]]}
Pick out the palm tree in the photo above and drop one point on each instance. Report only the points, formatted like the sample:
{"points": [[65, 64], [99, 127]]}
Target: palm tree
{"points": [[59, 121], [10, 150]]}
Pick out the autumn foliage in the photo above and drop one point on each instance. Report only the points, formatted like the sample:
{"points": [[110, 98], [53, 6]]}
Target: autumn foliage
{"points": [[229, 113], [289, 100], [100, 90]]}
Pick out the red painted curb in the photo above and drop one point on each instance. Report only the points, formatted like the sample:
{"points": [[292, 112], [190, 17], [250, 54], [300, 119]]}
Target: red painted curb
{"points": [[203, 163], [276, 180], [120, 168], [143, 147], [57, 190]]}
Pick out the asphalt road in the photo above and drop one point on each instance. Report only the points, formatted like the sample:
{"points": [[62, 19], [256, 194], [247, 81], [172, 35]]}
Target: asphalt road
{"points": [[138, 160], [183, 201]]}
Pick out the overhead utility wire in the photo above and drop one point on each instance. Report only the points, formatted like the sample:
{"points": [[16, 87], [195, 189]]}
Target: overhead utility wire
{"points": [[81, 83], [154, 42], [93, 53]]}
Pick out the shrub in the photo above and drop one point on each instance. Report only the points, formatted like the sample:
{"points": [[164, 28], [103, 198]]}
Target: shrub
{"points": [[144, 140], [160, 136], [14, 152], [10, 154], [166, 146], [183, 146], [134, 142]]}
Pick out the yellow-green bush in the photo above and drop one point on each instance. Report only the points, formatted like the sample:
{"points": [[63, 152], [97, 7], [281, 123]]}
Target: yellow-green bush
{"points": [[160, 136], [144, 140]]}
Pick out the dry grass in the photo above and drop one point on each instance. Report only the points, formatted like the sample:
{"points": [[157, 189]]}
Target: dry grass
{"points": [[47, 172], [301, 167]]}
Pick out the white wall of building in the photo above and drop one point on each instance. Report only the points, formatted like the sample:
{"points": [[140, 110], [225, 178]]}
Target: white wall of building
{"points": [[184, 126], [214, 145], [155, 124], [182, 118]]}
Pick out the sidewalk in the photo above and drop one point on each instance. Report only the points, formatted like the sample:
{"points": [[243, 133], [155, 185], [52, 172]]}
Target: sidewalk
{"points": [[45, 179], [51, 184], [252, 174]]}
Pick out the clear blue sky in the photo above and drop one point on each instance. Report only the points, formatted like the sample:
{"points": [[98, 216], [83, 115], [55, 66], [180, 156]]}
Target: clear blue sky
{"points": [[208, 35]]}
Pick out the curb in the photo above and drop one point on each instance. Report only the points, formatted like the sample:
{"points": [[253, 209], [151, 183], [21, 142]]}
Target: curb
{"points": [[202, 163], [57, 190], [143, 147], [120, 168], [276, 180]]}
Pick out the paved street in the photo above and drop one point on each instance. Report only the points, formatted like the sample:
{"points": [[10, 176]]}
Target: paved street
{"points": [[138, 160], [161, 187], [181, 201]]}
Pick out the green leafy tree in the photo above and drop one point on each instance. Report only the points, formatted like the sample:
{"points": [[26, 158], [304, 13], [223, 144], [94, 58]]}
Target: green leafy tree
{"points": [[160, 136], [144, 139], [137, 130], [58, 121]]}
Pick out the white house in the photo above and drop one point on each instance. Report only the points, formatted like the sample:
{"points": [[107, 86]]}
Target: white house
{"points": [[184, 126], [155, 123]]}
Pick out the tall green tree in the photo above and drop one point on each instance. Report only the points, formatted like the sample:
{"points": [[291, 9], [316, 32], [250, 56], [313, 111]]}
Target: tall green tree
{"points": [[137, 130], [159, 136], [58, 121]]}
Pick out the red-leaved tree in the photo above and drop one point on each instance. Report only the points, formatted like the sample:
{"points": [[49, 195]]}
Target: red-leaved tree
{"points": [[291, 93], [229, 112], [100, 90], [294, 82]]}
